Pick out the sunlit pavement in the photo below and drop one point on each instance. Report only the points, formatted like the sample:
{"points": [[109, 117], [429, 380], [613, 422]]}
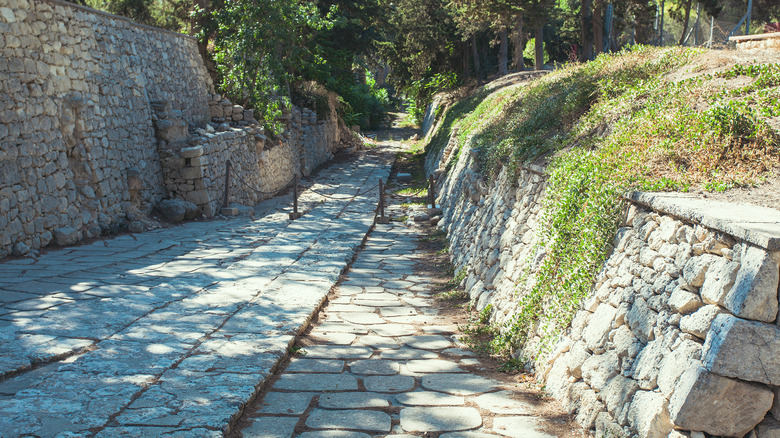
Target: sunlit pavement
{"points": [[170, 332]]}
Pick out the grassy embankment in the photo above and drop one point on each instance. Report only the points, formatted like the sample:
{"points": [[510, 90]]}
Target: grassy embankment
{"points": [[642, 119]]}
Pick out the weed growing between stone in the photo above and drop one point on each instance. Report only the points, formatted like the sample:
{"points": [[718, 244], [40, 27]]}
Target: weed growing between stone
{"points": [[612, 125]]}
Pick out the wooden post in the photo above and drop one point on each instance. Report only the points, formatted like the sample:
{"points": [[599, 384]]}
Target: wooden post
{"points": [[295, 215], [431, 192], [228, 165], [381, 219]]}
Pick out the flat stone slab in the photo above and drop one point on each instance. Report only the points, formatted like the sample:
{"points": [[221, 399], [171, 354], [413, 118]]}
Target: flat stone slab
{"points": [[271, 427], [362, 318], [429, 398], [316, 382], [374, 367], [349, 419], [426, 366], [502, 402], [393, 330], [427, 342], [341, 327], [459, 384], [334, 434], [389, 383], [757, 225], [379, 342], [287, 403], [299, 365], [519, 427], [439, 419], [405, 353], [338, 352], [353, 400]]}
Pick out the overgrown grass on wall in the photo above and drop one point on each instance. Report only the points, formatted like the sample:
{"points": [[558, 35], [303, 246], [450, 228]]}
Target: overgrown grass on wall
{"points": [[640, 119]]}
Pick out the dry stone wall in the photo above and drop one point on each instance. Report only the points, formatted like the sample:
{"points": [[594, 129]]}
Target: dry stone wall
{"points": [[679, 335], [102, 118]]}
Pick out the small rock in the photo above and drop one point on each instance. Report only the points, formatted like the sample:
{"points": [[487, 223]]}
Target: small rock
{"points": [[176, 210], [21, 249], [66, 236], [435, 220], [135, 227]]}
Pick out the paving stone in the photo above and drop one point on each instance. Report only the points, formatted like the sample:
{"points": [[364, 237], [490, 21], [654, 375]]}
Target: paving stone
{"points": [[519, 427], [338, 352], [427, 342], [406, 353], [467, 434], [439, 419], [374, 367], [380, 342], [271, 427], [396, 311], [341, 327], [316, 382], [287, 403], [389, 383], [433, 366], [335, 337], [301, 365], [334, 434], [394, 330], [349, 419], [459, 384], [429, 398], [362, 318], [353, 400], [503, 402]]}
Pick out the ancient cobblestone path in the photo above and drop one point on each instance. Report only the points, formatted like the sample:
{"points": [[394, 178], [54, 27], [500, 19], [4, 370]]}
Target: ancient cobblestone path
{"points": [[380, 362], [168, 333]]}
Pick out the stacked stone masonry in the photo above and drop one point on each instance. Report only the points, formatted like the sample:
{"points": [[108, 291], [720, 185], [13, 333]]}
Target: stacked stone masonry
{"points": [[102, 118], [679, 336]]}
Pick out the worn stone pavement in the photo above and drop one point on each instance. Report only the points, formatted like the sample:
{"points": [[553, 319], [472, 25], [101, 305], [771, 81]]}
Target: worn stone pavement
{"points": [[381, 362], [171, 332]]}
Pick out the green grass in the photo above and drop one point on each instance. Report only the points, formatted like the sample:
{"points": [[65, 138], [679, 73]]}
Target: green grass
{"points": [[605, 127]]}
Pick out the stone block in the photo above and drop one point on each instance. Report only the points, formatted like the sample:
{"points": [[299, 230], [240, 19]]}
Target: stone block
{"points": [[599, 369], [754, 294], [596, 333], [686, 356], [769, 428], [718, 281], [699, 322], [199, 197], [191, 172], [65, 236], [641, 319], [617, 395], [647, 364], [216, 111], [746, 350], [695, 270], [684, 301], [649, 415], [199, 161], [191, 152], [718, 405]]}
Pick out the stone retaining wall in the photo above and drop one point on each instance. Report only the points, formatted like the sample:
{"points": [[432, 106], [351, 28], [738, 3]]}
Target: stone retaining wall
{"points": [[97, 115], [679, 334]]}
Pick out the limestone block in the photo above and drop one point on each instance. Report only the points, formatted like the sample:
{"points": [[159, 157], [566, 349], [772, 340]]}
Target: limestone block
{"points": [[199, 161], [199, 197], [596, 333], [699, 322], [624, 343], [647, 364], [683, 301], [685, 356], [754, 294], [66, 236], [718, 405], [577, 356], [647, 256], [191, 152], [718, 281], [216, 111], [191, 172], [589, 407], [641, 319], [599, 369], [747, 350], [617, 395], [649, 415], [776, 405], [695, 269]]}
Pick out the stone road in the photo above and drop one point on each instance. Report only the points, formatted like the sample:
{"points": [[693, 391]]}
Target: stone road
{"points": [[169, 333], [381, 362]]}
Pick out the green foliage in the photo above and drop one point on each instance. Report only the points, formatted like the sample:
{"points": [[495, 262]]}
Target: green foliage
{"points": [[606, 127], [421, 92]]}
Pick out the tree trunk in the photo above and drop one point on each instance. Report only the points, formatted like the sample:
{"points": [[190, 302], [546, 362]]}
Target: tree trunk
{"points": [[539, 43], [587, 31], [466, 61], [475, 53], [598, 27], [688, 5], [519, 43], [503, 51]]}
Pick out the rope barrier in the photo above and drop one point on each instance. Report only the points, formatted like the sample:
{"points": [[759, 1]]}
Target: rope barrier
{"points": [[272, 193]]}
